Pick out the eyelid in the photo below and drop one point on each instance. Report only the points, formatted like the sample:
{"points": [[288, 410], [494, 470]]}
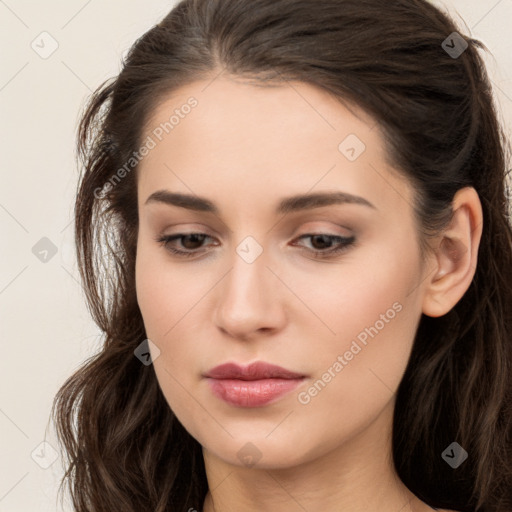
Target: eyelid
{"points": [[314, 227], [320, 228]]}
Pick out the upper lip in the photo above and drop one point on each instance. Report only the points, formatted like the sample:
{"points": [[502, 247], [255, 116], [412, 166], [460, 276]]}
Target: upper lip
{"points": [[254, 371]]}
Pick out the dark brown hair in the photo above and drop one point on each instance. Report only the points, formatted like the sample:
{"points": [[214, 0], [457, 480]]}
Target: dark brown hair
{"points": [[125, 448]]}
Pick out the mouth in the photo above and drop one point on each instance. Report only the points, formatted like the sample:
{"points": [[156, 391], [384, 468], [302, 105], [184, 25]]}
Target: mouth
{"points": [[255, 385]]}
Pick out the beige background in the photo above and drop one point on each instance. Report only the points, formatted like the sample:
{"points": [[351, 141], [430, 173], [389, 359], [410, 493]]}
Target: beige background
{"points": [[46, 331]]}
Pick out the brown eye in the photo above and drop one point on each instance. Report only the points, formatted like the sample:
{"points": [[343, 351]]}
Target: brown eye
{"points": [[321, 242], [190, 242], [324, 245], [195, 240]]}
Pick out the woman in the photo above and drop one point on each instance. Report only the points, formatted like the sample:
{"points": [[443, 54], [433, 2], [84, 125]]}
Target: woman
{"points": [[292, 227]]}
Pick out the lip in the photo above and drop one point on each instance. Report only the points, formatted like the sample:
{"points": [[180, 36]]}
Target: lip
{"points": [[254, 385], [255, 371]]}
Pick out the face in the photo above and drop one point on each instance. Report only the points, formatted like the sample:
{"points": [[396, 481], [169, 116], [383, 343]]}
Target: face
{"points": [[329, 290]]}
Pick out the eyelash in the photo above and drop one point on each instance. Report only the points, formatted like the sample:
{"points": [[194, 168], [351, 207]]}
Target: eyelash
{"points": [[345, 243]]}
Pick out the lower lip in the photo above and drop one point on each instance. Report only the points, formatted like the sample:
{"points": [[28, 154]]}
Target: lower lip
{"points": [[251, 393]]}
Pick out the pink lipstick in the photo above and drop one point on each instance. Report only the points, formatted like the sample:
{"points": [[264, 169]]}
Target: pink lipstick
{"points": [[254, 385]]}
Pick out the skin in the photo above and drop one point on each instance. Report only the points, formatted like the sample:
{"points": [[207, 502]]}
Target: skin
{"points": [[245, 148]]}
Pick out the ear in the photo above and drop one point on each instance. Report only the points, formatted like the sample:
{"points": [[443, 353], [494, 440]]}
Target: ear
{"points": [[454, 255]]}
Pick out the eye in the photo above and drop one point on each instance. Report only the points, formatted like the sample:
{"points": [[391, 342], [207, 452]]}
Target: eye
{"points": [[323, 245], [327, 245], [193, 241]]}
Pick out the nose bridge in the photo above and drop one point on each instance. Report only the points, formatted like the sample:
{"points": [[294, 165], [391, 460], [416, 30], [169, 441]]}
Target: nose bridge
{"points": [[248, 278], [248, 298]]}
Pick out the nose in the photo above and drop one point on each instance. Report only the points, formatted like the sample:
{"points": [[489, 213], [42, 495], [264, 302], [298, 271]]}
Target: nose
{"points": [[250, 300]]}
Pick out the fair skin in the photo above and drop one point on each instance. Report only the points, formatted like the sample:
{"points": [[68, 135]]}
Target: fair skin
{"points": [[245, 148]]}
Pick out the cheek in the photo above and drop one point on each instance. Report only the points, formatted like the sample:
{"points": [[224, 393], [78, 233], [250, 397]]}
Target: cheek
{"points": [[358, 371], [164, 302], [372, 308], [350, 296], [161, 293], [151, 296]]}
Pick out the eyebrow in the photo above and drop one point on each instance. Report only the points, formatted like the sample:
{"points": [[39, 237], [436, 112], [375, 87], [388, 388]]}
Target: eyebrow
{"points": [[286, 205]]}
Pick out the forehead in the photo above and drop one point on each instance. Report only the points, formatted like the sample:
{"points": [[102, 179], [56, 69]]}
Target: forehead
{"points": [[228, 134], [223, 105]]}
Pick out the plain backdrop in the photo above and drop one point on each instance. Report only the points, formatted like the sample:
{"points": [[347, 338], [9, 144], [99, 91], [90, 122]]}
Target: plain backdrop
{"points": [[46, 331]]}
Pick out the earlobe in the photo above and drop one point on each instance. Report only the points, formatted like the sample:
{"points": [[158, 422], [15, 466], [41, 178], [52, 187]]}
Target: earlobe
{"points": [[455, 257]]}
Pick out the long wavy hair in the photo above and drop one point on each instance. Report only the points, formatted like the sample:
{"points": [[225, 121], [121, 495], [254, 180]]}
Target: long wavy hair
{"points": [[124, 448]]}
